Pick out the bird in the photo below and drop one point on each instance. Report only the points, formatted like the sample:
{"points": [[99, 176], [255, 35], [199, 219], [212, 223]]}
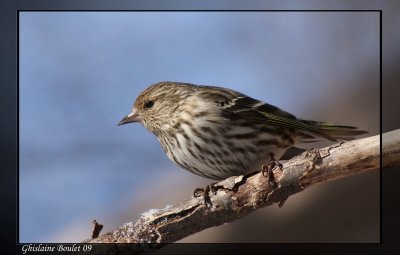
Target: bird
{"points": [[216, 132]]}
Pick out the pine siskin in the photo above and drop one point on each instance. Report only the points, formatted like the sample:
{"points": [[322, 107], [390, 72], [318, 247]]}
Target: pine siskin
{"points": [[217, 132]]}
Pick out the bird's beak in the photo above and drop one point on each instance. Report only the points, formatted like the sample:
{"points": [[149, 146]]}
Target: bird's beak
{"points": [[134, 116]]}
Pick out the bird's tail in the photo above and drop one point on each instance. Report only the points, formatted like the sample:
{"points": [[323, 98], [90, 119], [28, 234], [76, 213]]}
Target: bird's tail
{"points": [[335, 132]]}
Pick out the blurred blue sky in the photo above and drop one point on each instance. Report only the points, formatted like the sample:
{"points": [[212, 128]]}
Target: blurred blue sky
{"points": [[81, 71]]}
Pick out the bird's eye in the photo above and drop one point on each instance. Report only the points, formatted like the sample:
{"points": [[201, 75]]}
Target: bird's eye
{"points": [[148, 104]]}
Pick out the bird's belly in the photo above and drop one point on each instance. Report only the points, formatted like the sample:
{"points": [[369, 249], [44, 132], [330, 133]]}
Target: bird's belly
{"points": [[222, 155]]}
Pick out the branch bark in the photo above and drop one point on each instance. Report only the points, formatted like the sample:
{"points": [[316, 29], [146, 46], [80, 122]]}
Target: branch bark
{"points": [[238, 196]]}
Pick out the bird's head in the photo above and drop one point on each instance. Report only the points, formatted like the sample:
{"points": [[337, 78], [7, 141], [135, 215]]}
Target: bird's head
{"points": [[159, 106]]}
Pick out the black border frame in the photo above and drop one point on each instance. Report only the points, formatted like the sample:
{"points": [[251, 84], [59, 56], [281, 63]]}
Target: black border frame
{"points": [[10, 67]]}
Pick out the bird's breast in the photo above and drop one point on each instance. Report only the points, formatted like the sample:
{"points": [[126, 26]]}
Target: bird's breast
{"points": [[218, 150]]}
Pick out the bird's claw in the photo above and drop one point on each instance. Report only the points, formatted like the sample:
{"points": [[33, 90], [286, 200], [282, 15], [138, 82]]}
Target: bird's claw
{"points": [[267, 171], [206, 193]]}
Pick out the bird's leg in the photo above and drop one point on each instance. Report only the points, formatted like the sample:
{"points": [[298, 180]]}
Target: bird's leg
{"points": [[267, 170], [205, 191]]}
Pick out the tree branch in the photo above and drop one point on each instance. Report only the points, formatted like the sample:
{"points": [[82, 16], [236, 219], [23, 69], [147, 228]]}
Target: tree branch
{"points": [[238, 196]]}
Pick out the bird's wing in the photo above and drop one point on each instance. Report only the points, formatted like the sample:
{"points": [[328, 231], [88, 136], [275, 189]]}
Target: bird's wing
{"points": [[249, 109], [244, 110]]}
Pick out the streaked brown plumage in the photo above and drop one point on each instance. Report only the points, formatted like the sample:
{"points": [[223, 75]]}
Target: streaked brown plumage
{"points": [[217, 132]]}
